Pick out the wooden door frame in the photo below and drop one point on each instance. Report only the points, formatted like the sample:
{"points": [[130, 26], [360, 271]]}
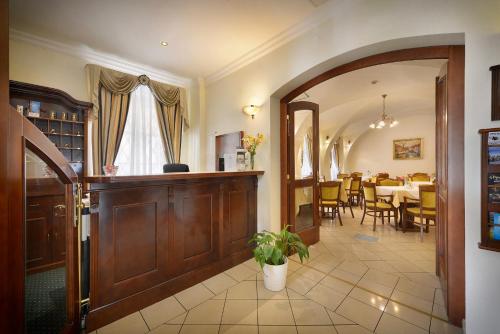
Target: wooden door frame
{"points": [[455, 54], [311, 235]]}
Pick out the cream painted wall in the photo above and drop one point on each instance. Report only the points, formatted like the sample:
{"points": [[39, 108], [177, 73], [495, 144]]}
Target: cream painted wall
{"points": [[41, 66], [357, 29], [372, 151]]}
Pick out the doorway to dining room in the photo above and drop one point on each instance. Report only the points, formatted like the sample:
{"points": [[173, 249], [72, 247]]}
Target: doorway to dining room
{"points": [[384, 117]]}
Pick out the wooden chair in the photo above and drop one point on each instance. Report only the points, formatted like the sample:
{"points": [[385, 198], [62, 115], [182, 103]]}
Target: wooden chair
{"points": [[354, 190], [389, 182], [383, 175], [425, 208], [356, 174], [373, 206], [330, 198], [419, 177], [341, 176], [347, 186]]}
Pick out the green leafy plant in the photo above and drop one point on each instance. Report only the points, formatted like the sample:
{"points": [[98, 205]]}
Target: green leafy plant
{"points": [[272, 248]]}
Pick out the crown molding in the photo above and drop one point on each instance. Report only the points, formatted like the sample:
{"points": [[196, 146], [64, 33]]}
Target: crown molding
{"points": [[320, 15], [100, 58]]}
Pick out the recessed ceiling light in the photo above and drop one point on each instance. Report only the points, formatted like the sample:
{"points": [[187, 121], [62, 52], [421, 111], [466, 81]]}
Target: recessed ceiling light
{"points": [[374, 82], [163, 43]]}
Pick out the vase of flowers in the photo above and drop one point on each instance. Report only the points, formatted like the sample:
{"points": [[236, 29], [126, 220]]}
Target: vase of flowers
{"points": [[250, 144]]}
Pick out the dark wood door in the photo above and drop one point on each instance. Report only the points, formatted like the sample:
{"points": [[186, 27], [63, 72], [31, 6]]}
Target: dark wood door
{"points": [[442, 177], [302, 171]]}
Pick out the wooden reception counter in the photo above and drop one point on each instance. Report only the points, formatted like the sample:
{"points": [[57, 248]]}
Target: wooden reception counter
{"points": [[153, 236]]}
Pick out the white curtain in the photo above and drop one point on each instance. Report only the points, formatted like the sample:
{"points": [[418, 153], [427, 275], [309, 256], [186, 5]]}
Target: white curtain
{"points": [[334, 168], [306, 169], [141, 149]]}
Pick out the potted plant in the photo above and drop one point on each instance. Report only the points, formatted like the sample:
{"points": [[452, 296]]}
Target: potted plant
{"points": [[272, 251]]}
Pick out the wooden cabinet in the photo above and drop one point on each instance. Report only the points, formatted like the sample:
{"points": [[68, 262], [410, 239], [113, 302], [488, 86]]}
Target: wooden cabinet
{"points": [[45, 236]]}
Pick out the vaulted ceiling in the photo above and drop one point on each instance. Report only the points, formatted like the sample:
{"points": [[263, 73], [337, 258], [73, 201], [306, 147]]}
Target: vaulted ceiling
{"points": [[203, 36], [350, 102]]}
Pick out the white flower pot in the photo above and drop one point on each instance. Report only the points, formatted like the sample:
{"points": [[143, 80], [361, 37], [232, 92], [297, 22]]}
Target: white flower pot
{"points": [[275, 276]]}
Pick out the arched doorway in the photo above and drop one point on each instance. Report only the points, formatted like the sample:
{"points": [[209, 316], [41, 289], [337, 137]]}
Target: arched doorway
{"points": [[449, 161]]}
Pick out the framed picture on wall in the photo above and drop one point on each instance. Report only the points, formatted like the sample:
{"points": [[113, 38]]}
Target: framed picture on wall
{"points": [[407, 149]]}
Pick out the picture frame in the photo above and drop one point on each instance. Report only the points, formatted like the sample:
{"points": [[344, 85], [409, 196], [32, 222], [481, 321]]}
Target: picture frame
{"points": [[407, 149]]}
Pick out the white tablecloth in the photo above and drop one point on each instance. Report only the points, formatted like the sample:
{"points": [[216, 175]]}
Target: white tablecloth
{"points": [[399, 192]]}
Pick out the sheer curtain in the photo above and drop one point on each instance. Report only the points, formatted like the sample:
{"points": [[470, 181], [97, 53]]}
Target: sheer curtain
{"points": [[141, 149], [306, 170], [334, 168]]}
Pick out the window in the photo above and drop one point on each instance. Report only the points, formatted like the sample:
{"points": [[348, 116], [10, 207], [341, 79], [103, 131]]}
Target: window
{"points": [[141, 149], [334, 168]]}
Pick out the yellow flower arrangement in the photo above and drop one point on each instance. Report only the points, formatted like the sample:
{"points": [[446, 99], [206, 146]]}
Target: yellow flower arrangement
{"points": [[250, 144]]}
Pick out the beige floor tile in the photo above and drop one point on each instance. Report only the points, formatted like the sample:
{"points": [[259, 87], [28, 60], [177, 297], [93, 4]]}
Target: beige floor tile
{"points": [[219, 283], [425, 279], [338, 285], [414, 289], [376, 288], [316, 330], [326, 296], [179, 320], [362, 314], [405, 266], [412, 301], [293, 266], [439, 297], [442, 327], [380, 265], [439, 311], [166, 329], [351, 329], [409, 315], [252, 264], [221, 295], [193, 296], [308, 312], [210, 312], [337, 319], [345, 276], [240, 312], [161, 312], [368, 298], [277, 330], [243, 290], [357, 268], [311, 273], [392, 325], [197, 329], [380, 277], [263, 293], [240, 272], [275, 312], [294, 294], [238, 329], [300, 283], [131, 324]]}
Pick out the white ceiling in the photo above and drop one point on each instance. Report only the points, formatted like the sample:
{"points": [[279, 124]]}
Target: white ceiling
{"points": [[203, 35], [350, 102]]}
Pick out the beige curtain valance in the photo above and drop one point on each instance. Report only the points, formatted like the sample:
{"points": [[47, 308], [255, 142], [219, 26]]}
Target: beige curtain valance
{"points": [[122, 83]]}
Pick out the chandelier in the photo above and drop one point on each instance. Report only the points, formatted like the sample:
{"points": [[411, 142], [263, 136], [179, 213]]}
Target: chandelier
{"points": [[384, 119]]}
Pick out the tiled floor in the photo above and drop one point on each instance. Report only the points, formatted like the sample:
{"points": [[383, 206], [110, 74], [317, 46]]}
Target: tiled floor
{"points": [[348, 286]]}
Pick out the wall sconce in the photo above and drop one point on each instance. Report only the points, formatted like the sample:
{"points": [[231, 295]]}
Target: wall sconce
{"points": [[327, 140], [251, 110]]}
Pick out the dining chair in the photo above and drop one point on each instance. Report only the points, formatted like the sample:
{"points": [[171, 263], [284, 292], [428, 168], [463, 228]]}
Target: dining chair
{"points": [[360, 174], [330, 198], [354, 190], [389, 182], [383, 175], [424, 208], [341, 176], [419, 177], [347, 186], [374, 206]]}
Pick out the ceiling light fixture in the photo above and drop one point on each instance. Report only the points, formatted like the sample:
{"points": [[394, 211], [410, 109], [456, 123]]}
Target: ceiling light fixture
{"points": [[163, 43], [384, 119]]}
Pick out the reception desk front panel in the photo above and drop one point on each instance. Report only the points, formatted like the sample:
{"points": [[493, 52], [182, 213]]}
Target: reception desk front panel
{"points": [[153, 236]]}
